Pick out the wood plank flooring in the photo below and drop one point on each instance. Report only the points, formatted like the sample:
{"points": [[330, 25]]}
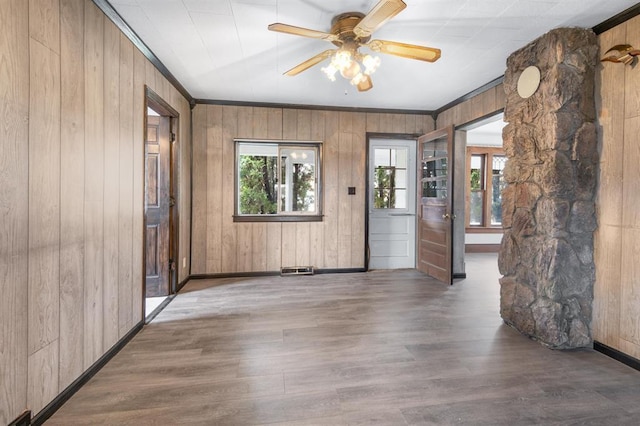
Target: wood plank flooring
{"points": [[390, 348]]}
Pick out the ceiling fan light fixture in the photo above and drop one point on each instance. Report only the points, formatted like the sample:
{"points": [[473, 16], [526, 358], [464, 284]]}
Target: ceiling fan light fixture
{"points": [[342, 60], [350, 71], [351, 64], [358, 79], [350, 31], [330, 71], [371, 64], [365, 84]]}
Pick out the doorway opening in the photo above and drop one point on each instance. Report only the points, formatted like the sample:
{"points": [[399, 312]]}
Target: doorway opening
{"points": [[160, 204], [391, 202], [484, 180]]}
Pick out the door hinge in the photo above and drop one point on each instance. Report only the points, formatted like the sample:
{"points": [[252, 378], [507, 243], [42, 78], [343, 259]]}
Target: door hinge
{"points": [[172, 201], [173, 137], [172, 265]]}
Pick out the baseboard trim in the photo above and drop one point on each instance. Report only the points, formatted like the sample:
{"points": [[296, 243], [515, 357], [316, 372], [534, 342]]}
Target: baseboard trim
{"points": [[64, 396], [271, 273], [182, 284], [459, 275], [340, 270], [481, 248], [234, 275], [23, 419], [617, 355]]}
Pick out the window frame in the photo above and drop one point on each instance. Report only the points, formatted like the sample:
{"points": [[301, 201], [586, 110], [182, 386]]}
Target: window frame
{"points": [[486, 190], [316, 216]]}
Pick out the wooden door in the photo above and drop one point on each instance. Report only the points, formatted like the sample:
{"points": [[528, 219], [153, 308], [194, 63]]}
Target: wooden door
{"points": [[157, 205], [435, 195]]}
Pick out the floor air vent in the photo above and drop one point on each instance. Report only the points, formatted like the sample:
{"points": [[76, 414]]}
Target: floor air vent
{"points": [[296, 270]]}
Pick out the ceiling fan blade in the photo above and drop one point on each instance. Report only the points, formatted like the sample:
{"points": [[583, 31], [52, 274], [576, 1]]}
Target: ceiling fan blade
{"points": [[310, 62], [411, 51], [381, 13], [304, 32], [365, 84]]}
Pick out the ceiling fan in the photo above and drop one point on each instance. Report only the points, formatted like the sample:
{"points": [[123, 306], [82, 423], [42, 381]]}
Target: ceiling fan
{"points": [[350, 31]]}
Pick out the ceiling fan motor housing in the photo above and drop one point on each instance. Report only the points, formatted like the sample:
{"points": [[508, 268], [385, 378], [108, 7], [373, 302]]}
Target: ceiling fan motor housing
{"points": [[342, 26]]}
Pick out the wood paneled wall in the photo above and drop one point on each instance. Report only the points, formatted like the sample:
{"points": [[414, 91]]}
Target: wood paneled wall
{"points": [[71, 185], [616, 317], [222, 246], [481, 105]]}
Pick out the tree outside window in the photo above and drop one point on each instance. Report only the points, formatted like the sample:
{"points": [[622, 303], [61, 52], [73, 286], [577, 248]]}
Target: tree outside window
{"points": [[277, 179]]}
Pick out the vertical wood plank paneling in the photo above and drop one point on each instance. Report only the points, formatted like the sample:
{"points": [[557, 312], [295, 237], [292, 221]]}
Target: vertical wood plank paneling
{"points": [[150, 76], [259, 230], [111, 180], [331, 186], [386, 122], [57, 316], [229, 232], [274, 230], [316, 229], [399, 123], [630, 275], [201, 191], [214, 180], [373, 122], [410, 121], [358, 177], [125, 215], [489, 99], [345, 206], [289, 132], [630, 289], [185, 187], [632, 78], [44, 208], [94, 183], [14, 207], [607, 241], [44, 23], [139, 113], [44, 386], [44, 192], [71, 191]]}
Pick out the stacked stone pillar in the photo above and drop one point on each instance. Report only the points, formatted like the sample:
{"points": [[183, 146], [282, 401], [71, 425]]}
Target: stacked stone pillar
{"points": [[546, 256]]}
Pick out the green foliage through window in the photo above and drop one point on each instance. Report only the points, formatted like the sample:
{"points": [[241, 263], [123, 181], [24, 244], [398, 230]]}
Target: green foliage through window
{"points": [[258, 184], [276, 179]]}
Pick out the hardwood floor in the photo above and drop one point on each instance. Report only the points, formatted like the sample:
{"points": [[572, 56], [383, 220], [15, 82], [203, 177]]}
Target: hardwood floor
{"points": [[378, 348]]}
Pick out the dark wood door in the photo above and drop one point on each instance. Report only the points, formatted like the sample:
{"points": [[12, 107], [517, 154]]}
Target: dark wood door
{"points": [[157, 205], [435, 195]]}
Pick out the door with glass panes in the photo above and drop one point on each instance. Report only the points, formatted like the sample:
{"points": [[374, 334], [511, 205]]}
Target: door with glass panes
{"points": [[392, 204]]}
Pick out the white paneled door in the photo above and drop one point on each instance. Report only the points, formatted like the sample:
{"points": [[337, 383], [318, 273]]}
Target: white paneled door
{"points": [[392, 204]]}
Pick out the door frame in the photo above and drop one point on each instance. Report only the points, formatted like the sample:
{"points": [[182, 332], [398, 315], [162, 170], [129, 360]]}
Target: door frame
{"points": [[376, 135], [154, 101]]}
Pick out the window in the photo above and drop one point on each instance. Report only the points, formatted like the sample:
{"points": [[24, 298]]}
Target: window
{"points": [[485, 183], [390, 178], [277, 181]]}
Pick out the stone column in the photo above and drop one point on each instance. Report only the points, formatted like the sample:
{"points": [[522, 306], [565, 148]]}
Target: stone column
{"points": [[546, 256]]}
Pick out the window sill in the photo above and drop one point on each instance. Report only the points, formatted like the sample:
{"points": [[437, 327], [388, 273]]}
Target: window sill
{"points": [[278, 218], [483, 230]]}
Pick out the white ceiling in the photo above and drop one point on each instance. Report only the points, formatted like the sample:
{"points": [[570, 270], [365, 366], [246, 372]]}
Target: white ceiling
{"points": [[488, 133], [222, 50]]}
